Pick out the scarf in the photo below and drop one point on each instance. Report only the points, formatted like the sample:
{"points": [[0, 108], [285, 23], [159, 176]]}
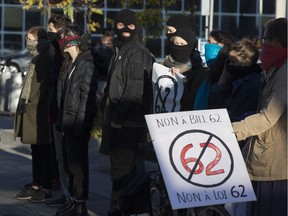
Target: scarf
{"points": [[272, 56], [183, 67], [35, 48]]}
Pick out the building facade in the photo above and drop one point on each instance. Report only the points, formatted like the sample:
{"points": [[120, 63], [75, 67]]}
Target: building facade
{"points": [[242, 18]]}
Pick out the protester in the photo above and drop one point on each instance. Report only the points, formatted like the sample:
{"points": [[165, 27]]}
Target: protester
{"points": [[129, 97], [31, 119], [266, 152], [77, 87], [179, 60], [176, 22], [238, 87], [216, 53], [216, 41], [103, 52], [55, 24]]}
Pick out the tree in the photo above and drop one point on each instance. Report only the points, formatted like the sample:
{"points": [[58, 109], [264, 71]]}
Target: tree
{"points": [[150, 17]]}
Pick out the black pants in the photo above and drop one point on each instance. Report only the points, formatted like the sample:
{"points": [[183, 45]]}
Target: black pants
{"points": [[76, 165], [42, 165]]}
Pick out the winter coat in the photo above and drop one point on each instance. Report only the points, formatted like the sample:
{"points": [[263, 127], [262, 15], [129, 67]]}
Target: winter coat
{"points": [[239, 98], [32, 126], [128, 93], [266, 152], [195, 78], [77, 87], [129, 88]]}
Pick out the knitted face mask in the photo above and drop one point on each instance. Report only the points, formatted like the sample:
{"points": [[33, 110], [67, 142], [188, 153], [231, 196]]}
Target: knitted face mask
{"points": [[126, 17], [32, 47]]}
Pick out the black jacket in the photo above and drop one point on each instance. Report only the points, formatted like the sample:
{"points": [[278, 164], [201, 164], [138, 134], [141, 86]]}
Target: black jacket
{"points": [[77, 87], [129, 87], [194, 78]]}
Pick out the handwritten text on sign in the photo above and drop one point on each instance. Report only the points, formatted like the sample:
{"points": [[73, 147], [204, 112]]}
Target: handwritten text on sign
{"points": [[199, 158]]}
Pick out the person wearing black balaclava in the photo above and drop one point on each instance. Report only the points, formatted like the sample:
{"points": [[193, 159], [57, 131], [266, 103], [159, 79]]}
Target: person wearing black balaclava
{"points": [[128, 98], [175, 23], [179, 61]]}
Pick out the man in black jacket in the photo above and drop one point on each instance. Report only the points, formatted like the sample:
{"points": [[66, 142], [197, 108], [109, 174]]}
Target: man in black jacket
{"points": [[129, 96]]}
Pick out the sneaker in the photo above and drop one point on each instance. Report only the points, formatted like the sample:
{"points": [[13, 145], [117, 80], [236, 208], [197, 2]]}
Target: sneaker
{"points": [[42, 196], [57, 201], [26, 193]]}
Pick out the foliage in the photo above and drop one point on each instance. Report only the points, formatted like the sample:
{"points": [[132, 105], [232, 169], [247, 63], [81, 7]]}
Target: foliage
{"points": [[150, 17]]}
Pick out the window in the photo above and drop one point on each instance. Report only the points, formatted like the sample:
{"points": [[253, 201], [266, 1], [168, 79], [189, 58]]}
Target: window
{"points": [[33, 18], [13, 19], [229, 6], [248, 6]]}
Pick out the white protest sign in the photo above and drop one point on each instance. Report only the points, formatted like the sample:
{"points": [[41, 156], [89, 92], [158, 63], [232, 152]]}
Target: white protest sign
{"points": [[199, 158], [167, 89]]}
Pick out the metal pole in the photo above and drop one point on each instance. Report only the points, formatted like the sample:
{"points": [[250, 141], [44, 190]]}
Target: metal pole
{"points": [[206, 27], [281, 8], [211, 15], [260, 21]]}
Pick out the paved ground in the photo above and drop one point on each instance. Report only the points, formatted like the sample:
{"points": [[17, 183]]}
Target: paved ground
{"points": [[15, 171]]}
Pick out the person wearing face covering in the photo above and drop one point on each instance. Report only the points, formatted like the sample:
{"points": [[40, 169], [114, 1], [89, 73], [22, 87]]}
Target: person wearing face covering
{"points": [[218, 46], [265, 153], [77, 88], [55, 24], [193, 97], [238, 87], [128, 98], [31, 118], [176, 22]]}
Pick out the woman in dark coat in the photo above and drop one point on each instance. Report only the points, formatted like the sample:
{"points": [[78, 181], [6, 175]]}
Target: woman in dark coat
{"points": [[77, 87], [31, 119], [238, 87]]}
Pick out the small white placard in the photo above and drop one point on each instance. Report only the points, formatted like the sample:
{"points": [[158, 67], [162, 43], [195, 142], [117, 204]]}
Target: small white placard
{"points": [[167, 89]]}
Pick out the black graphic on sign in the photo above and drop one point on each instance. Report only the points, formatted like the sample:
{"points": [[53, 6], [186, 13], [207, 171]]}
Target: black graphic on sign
{"points": [[160, 101], [202, 156]]}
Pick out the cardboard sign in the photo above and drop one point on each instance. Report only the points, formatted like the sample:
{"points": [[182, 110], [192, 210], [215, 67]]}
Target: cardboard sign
{"points": [[199, 158], [167, 89]]}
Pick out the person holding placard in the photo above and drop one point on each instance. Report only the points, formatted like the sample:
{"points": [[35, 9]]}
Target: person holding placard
{"points": [[266, 152]]}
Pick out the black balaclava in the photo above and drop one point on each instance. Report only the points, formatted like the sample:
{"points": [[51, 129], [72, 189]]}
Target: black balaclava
{"points": [[178, 21], [182, 53], [127, 17]]}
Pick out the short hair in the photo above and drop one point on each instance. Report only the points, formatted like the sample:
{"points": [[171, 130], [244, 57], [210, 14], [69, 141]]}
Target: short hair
{"points": [[276, 31], [59, 21], [38, 32]]}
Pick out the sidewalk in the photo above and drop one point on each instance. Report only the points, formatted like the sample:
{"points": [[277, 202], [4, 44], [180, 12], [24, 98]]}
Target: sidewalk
{"points": [[15, 171]]}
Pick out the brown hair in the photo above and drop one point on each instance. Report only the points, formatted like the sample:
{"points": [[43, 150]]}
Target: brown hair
{"points": [[247, 49], [276, 31], [38, 32]]}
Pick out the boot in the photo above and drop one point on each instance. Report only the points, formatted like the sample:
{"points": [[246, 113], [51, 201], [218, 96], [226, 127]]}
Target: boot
{"points": [[67, 205], [77, 209], [113, 209]]}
